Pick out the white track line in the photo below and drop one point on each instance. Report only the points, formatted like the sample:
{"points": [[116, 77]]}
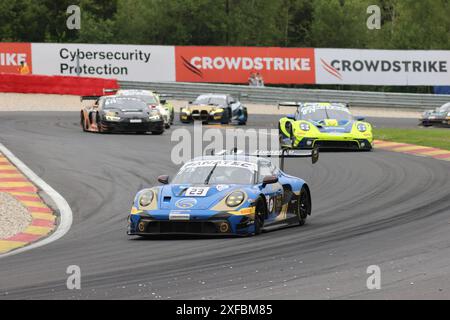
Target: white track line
{"points": [[61, 203]]}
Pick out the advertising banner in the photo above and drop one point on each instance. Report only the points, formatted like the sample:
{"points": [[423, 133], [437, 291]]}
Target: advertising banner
{"points": [[122, 62], [231, 64], [382, 67], [235, 64], [11, 54]]}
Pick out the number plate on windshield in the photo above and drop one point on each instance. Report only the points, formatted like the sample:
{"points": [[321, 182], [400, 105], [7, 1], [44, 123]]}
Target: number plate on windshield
{"points": [[197, 192]]}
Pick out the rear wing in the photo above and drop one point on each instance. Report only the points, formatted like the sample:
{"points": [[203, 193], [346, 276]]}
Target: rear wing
{"points": [[290, 154], [281, 154], [106, 92], [298, 104]]}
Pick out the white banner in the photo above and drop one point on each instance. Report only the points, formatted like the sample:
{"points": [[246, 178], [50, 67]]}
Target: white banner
{"points": [[122, 62], [382, 67]]}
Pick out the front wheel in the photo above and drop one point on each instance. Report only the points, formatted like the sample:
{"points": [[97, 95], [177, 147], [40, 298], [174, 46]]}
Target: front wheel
{"points": [[303, 206], [83, 123], [226, 117], [259, 217], [172, 117]]}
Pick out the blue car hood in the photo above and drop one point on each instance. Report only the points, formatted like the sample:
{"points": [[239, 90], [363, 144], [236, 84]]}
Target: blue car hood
{"points": [[171, 196]]}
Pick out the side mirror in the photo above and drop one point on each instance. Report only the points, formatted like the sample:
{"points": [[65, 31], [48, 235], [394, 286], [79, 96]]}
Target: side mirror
{"points": [[163, 179], [270, 180], [190, 102], [163, 101], [291, 116], [360, 118]]}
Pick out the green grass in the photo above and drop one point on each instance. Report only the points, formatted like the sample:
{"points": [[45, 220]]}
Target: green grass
{"points": [[428, 137]]}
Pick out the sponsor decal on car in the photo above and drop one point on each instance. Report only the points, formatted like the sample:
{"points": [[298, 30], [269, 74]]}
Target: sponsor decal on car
{"points": [[186, 203]]}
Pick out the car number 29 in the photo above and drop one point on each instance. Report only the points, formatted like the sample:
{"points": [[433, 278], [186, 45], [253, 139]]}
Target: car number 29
{"points": [[196, 192]]}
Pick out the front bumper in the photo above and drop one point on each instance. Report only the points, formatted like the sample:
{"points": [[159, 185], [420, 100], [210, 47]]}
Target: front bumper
{"points": [[327, 143], [203, 116], [220, 224], [127, 126], [435, 122]]}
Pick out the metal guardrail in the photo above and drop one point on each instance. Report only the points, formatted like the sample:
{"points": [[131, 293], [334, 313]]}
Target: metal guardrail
{"points": [[273, 95]]}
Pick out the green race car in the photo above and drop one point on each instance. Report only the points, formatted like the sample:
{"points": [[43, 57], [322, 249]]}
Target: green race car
{"points": [[324, 125]]}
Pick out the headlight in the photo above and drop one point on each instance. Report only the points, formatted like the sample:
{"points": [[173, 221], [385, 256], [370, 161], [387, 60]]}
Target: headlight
{"points": [[235, 199], [362, 127], [305, 127], [112, 116], [146, 198], [220, 110], [154, 115]]}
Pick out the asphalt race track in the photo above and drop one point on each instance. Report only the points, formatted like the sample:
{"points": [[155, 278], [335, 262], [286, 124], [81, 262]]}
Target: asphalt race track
{"points": [[378, 208]]}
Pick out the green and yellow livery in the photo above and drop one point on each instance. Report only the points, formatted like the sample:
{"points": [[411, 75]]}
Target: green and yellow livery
{"points": [[324, 125]]}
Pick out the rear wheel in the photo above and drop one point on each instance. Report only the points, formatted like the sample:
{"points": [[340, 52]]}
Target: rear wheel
{"points": [[304, 206]]}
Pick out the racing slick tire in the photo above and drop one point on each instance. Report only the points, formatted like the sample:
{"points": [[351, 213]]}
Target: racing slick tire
{"points": [[243, 123], [303, 206], [83, 123], [172, 117], [259, 217], [226, 117]]}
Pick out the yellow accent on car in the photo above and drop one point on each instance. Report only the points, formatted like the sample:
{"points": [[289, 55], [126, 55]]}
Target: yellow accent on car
{"points": [[244, 211], [331, 122], [134, 210]]}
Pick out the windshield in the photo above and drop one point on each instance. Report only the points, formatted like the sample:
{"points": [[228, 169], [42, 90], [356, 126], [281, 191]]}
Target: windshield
{"points": [[147, 99], [220, 101], [215, 173], [444, 108], [124, 103], [318, 113]]}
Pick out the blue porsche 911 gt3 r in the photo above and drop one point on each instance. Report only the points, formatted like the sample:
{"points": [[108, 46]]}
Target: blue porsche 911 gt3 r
{"points": [[223, 195]]}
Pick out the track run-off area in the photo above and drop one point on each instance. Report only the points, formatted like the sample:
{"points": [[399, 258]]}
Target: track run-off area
{"points": [[369, 208]]}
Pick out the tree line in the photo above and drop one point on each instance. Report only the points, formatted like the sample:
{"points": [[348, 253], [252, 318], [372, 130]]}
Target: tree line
{"points": [[405, 24]]}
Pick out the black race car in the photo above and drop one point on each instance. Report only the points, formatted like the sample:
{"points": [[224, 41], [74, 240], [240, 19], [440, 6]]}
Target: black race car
{"points": [[121, 114], [439, 117]]}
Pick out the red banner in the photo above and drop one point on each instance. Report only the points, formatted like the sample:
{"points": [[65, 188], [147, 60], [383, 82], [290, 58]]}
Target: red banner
{"points": [[55, 85], [11, 54], [236, 64]]}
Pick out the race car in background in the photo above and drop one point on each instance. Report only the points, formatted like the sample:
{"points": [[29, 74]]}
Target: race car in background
{"points": [[222, 108], [223, 195], [120, 114], [162, 98], [324, 125], [153, 101], [439, 117]]}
